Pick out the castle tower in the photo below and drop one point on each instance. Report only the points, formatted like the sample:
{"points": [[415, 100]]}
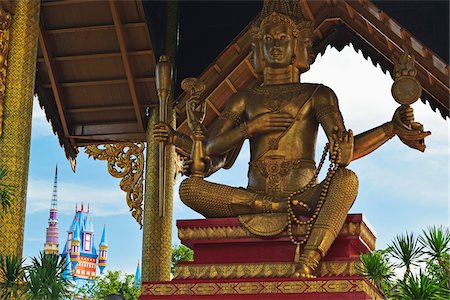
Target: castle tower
{"points": [[102, 252], [51, 238], [81, 249]]}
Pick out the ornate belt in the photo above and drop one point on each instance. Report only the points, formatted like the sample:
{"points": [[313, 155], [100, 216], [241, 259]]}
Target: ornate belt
{"points": [[275, 168]]}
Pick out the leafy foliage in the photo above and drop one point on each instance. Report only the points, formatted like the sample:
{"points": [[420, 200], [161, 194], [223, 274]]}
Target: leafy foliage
{"points": [[11, 277], [421, 287], [436, 243], [180, 253], [114, 282], [44, 277], [432, 282], [407, 250], [376, 267]]}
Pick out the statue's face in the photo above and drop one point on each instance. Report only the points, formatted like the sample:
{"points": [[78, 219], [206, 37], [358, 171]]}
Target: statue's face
{"points": [[304, 53], [278, 45]]}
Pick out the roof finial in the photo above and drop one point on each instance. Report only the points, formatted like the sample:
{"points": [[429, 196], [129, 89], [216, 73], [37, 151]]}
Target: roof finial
{"points": [[82, 206]]}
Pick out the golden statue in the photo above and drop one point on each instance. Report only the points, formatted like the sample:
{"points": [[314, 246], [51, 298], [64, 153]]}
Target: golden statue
{"points": [[280, 118]]}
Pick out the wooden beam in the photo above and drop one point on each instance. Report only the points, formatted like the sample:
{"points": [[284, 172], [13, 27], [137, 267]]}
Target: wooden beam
{"points": [[64, 2], [251, 68], [306, 9], [213, 107], [126, 62], [99, 82], [79, 110], [110, 128], [96, 56], [43, 43], [90, 109], [93, 28]]}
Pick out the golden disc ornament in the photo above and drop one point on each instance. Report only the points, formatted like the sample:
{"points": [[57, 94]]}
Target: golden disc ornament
{"points": [[406, 90]]}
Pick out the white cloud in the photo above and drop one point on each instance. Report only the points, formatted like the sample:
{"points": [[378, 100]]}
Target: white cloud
{"points": [[40, 126], [104, 201]]}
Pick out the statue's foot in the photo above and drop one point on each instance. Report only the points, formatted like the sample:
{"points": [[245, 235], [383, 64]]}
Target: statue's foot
{"points": [[303, 271]]}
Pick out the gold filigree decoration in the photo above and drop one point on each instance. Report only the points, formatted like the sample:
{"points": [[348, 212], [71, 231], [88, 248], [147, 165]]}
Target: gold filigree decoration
{"points": [[265, 287], [260, 270], [236, 232], [5, 18], [125, 161]]}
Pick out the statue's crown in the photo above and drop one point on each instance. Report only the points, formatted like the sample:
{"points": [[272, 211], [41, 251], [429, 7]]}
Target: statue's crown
{"points": [[285, 11]]}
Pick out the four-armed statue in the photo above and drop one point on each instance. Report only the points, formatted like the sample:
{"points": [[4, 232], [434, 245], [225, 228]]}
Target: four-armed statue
{"points": [[281, 118]]}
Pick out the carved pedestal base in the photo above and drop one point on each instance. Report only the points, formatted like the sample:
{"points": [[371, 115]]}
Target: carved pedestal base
{"points": [[342, 288], [231, 263]]}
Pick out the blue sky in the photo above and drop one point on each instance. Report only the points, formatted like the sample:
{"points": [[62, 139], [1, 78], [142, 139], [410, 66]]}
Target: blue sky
{"points": [[401, 189]]}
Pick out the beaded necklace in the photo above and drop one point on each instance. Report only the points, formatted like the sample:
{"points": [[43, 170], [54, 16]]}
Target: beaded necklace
{"points": [[334, 165]]}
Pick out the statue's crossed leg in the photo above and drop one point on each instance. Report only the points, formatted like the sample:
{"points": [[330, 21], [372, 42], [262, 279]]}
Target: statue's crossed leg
{"points": [[217, 200]]}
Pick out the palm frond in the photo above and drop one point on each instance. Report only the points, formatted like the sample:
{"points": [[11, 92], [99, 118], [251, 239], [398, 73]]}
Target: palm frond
{"points": [[436, 241], [376, 267], [421, 287], [11, 277], [407, 250]]}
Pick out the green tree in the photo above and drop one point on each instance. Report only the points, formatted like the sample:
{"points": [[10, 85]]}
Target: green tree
{"points": [[420, 287], [5, 193], [11, 277], [114, 282], [436, 243], [376, 267], [180, 253], [432, 282], [45, 279], [407, 250]]}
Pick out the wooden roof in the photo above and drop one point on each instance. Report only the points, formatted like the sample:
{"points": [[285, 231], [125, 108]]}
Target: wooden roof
{"points": [[95, 70], [96, 64]]}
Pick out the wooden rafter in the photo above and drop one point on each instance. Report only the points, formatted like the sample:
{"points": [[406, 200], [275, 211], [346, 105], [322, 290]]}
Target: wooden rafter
{"points": [[126, 63], [64, 2], [100, 82], [96, 56], [94, 28], [44, 44], [90, 109]]}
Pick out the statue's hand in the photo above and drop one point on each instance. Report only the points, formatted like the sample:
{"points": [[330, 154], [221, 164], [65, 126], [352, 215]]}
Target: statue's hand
{"points": [[163, 132], [410, 133], [188, 163], [346, 143], [271, 121]]}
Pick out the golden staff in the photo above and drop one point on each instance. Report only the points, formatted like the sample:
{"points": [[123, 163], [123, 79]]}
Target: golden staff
{"points": [[163, 74]]}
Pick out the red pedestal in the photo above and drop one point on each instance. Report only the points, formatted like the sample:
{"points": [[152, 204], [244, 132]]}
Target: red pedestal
{"points": [[231, 263]]}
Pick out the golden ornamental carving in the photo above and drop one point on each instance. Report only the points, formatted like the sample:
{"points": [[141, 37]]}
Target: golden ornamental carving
{"points": [[260, 270], [125, 161], [261, 287], [233, 232], [5, 18]]}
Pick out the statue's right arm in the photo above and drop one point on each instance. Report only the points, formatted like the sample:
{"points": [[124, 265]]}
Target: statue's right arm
{"points": [[163, 132], [228, 131]]}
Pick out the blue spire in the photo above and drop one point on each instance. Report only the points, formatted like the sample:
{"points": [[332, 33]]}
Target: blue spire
{"points": [[103, 239], [137, 276]]}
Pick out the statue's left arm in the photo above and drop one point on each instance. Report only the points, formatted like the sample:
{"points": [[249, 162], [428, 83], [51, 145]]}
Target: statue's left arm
{"points": [[328, 114]]}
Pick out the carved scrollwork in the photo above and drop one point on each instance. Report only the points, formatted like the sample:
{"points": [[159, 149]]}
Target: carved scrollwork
{"points": [[5, 18], [125, 161]]}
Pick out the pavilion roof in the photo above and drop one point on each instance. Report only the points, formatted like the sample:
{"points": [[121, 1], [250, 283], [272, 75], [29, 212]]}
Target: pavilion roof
{"points": [[96, 63], [95, 70]]}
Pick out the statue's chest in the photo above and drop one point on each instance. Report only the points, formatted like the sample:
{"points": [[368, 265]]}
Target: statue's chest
{"points": [[290, 100]]}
